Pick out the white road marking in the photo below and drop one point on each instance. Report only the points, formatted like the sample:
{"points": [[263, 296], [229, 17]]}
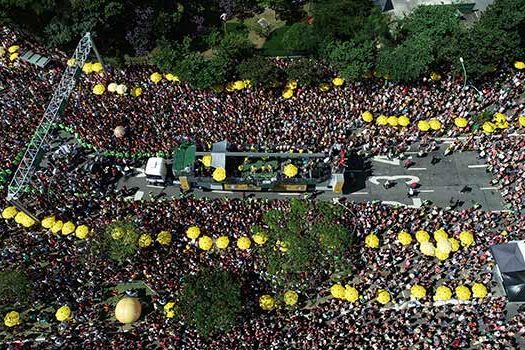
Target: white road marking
{"points": [[374, 179], [416, 169], [416, 203], [488, 188], [155, 186], [383, 159], [478, 166], [359, 193], [289, 194], [411, 152], [140, 172], [426, 191], [219, 191], [502, 211]]}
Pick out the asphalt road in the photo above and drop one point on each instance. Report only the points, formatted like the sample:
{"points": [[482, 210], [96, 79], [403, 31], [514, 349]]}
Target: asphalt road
{"points": [[439, 183]]}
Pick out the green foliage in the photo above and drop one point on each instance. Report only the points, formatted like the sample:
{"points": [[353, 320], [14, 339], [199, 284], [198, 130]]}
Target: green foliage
{"points": [[313, 239], [306, 71], [203, 73], [236, 46], [300, 37], [340, 19], [14, 287], [259, 70], [350, 59], [117, 247], [166, 55], [210, 301]]}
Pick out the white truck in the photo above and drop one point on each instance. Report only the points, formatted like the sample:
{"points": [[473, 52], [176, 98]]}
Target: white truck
{"points": [[156, 171]]}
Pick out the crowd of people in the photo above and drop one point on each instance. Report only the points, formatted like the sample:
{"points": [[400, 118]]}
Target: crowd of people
{"points": [[66, 271]]}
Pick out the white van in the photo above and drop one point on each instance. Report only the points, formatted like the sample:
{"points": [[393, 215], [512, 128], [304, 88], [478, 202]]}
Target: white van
{"points": [[156, 171]]}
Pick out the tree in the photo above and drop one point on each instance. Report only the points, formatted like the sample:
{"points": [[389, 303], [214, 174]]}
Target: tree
{"points": [[304, 239], [259, 70], [140, 36], [306, 71], [14, 287], [236, 46], [300, 37], [351, 59], [340, 19], [210, 301], [203, 73]]}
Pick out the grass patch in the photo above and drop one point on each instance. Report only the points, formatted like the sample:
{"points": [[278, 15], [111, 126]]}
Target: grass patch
{"points": [[274, 47]]}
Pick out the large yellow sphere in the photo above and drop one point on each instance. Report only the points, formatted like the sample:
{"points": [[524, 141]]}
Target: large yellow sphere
{"points": [[128, 310]]}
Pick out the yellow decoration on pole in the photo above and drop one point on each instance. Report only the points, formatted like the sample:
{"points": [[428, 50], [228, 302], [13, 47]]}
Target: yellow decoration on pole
{"points": [[287, 93], [479, 290], [13, 48], [57, 226], [155, 77], [418, 292], [266, 302], [206, 160], [521, 120], [440, 234], [164, 238], [87, 68], [63, 313], [435, 76], [260, 238], [12, 319], [239, 85], [13, 56], [290, 170], [324, 87], [423, 125], [463, 293], [519, 65], [291, 84], [23, 219], [136, 91], [489, 127], [222, 242], [112, 87], [244, 243], [404, 238], [460, 122], [454, 243], [392, 120], [351, 294], [145, 240], [372, 241], [205, 243], [48, 222], [338, 291], [441, 255], [403, 121], [443, 293], [291, 297], [382, 120], [122, 89], [422, 236], [9, 212], [168, 309], [97, 67], [367, 116], [338, 81], [193, 232], [383, 297], [427, 249], [219, 174], [82, 231], [443, 246], [434, 124], [466, 238], [99, 89], [71, 62], [68, 228], [172, 77]]}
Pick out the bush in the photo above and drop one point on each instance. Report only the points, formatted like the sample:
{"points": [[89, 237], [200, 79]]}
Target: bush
{"points": [[210, 301], [14, 287]]}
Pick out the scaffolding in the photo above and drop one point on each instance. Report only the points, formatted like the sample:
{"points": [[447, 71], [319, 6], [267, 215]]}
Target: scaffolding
{"points": [[55, 107]]}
